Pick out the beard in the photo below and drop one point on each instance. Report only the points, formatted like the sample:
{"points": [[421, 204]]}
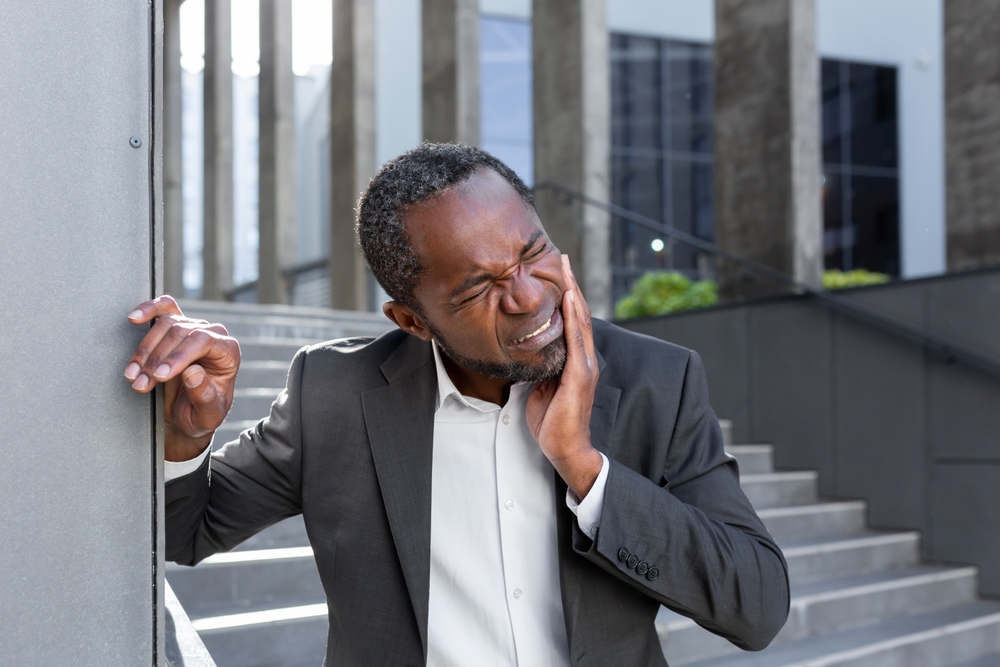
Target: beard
{"points": [[548, 366]]}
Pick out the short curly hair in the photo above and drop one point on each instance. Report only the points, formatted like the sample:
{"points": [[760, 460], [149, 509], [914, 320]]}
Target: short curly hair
{"points": [[415, 176]]}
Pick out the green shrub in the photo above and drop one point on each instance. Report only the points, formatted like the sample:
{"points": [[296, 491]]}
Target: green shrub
{"points": [[855, 278], [662, 292]]}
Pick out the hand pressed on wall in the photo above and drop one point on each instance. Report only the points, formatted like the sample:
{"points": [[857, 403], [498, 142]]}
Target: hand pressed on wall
{"points": [[196, 362]]}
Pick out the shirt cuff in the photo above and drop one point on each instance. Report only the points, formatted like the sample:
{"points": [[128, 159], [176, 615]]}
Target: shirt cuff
{"points": [[174, 469], [588, 510]]}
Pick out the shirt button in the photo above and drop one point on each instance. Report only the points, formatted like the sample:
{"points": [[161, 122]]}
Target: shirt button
{"points": [[517, 593], [509, 505], [506, 419]]}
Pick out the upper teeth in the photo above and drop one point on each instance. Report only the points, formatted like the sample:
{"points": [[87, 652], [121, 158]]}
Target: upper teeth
{"points": [[537, 331]]}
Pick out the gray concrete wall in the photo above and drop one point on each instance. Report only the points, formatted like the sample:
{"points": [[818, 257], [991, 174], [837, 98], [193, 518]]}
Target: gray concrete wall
{"points": [[571, 101], [879, 418], [972, 132], [450, 64], [78, 208], [352, 142], [767, 142], [276, 162]]}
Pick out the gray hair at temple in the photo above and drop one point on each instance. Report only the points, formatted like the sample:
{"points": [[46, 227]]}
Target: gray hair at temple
{"points": [[415, 176]]}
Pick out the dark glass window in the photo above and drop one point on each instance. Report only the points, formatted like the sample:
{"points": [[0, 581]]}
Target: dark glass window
{"points": [[661, 153], [860, 167]]}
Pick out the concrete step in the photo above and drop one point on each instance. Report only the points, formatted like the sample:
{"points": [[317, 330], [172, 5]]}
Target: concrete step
{"points": [[231, 429], [829, 558], [933, 639], [272, 349], [282, 637], [252, 403], [753, 458], [288, 533], [275, 321], [231, 582], [817, 520], [831, 606], [780, 488], [991, 660], [262, 374]]}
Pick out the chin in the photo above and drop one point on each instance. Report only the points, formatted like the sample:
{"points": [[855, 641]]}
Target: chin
{"points": [[547, 365]]}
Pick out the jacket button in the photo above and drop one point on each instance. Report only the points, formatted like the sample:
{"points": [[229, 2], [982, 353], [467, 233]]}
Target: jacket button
{"points": [[623, 554], [632, 561], [652, 574], [642, 568]]}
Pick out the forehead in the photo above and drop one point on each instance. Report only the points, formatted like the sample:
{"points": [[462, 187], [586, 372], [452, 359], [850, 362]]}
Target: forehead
{"points": [[478, 225]]}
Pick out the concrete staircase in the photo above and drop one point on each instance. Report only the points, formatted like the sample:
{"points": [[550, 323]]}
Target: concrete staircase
{"points": [[859, 597]]}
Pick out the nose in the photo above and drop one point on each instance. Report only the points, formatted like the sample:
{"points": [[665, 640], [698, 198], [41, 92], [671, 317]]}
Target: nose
{"points": [[524, 293]]}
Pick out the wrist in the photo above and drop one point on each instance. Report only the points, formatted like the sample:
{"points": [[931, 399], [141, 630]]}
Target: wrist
{"points": [[580, 470], [178, 446]]}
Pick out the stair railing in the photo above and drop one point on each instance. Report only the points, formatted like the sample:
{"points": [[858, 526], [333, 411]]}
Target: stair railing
{"points": [[942, 348]]}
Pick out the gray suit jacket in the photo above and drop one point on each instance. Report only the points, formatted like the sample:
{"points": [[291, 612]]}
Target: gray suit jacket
{"points": [[348, 444]]}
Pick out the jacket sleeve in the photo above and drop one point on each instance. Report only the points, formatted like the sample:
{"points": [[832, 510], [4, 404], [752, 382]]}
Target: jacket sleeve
{"points": [[246, 486], [709, 556]]}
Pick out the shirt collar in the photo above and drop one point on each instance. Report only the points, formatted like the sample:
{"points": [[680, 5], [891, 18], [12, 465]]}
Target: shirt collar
{"points": [[447, 388]]}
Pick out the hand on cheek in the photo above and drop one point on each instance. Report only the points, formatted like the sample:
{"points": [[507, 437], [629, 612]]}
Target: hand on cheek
{"points": [[559, 412]]}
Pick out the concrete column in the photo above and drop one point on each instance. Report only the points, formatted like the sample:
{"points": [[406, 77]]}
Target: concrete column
{"points": [[352, 142], [217, 251], [173, 202], [767, 142], [451, 70], [277, 194], [571, 100], [972, 132]]}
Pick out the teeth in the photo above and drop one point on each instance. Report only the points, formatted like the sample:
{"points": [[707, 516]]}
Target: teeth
{"points": [[536, 331]]}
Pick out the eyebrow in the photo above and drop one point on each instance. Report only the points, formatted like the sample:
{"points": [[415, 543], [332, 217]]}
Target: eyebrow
{"points": [[479, 278]]}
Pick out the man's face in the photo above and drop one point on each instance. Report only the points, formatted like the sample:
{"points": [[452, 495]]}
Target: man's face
{"points": [[492, 287]]}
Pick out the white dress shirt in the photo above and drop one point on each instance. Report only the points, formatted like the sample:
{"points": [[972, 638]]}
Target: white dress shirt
{"points": [[495, 598]]}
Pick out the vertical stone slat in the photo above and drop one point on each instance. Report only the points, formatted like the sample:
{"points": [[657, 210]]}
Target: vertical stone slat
{"points": [[972, 131], [767, 142], [352, 144], [277, 153], [450, 70], [571, 105], [173, 202], [217, 251]]}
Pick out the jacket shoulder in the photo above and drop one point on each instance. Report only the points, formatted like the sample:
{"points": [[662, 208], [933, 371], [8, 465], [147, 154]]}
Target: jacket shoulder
{"points": [[630, 355]]}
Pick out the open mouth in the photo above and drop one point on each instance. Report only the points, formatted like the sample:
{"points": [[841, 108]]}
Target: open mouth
{"points": [[541, 329]]}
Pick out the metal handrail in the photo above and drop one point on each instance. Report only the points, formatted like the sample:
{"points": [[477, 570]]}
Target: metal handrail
{"points": [[945, 349]]}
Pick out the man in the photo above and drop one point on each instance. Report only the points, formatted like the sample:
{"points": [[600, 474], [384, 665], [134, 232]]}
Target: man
{"points": [[500, 481]]}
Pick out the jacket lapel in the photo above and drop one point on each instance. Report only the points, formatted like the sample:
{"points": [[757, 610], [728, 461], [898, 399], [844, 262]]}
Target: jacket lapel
{"points": [[400, 422]]}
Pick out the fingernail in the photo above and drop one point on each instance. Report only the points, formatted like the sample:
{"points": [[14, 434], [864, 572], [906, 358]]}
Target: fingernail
{"points": [[572, 297], [194, 378], [135, 314], [162, 371], [131, 371], [140, 383]]}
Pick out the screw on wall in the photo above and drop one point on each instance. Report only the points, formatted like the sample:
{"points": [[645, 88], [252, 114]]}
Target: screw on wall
{"points": [[134, 141]]}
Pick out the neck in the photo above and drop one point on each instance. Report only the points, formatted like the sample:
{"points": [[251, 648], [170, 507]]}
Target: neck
{"points": [[475, 384]]}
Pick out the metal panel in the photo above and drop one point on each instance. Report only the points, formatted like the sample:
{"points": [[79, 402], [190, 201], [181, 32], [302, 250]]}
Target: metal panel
{"points": [[792, 385], [77, 485], [720, 337], [879, 394]]}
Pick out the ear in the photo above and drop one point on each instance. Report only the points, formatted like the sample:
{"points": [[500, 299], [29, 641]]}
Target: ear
{"points": [[407, 320]]}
